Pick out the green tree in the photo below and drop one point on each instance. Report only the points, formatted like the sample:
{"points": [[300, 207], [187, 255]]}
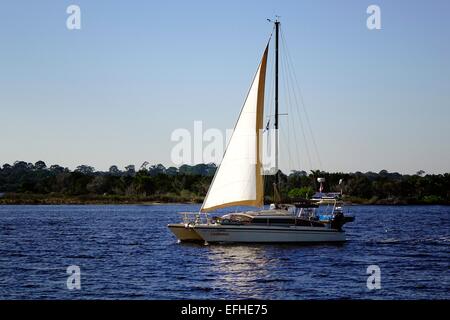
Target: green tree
{"points": [[84, 169], [303, 193], [40, 165], [114, 170]]}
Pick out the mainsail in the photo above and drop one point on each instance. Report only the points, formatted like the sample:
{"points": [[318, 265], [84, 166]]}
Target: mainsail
{"points": [[239, 180]]}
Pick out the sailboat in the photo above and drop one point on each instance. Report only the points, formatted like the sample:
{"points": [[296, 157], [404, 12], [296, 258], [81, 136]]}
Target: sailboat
{"points": [[238, 181]]}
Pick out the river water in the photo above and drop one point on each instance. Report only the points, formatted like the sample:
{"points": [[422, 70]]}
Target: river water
{"points": [[127, 252]]}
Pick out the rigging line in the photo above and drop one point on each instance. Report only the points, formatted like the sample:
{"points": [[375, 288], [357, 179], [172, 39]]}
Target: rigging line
{"points": [[288, 141], [298, 114], [308, 154], [302, 130], [288, 130], [283, 38], [271, 33], [295, 79], [272, 58], [289, 107], [291, 87], [271, 80], [301, 119], [270, 104], [290, 112], [272, 84], [289, 99], [302, 127], [285, 141], [267, 182], [283, 133], [300, 124]]}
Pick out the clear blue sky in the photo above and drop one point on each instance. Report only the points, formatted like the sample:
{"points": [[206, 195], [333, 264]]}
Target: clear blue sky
{"points": [[112, 92]]}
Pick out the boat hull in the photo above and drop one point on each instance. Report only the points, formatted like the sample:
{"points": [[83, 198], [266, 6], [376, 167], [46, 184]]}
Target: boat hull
{"points": [[257, 234], [184, 232]]}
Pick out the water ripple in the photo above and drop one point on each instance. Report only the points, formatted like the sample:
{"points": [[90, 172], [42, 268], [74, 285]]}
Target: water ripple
{"points": [[126, 252]]}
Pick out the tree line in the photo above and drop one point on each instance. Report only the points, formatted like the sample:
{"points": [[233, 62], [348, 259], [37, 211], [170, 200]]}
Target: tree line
{"points": [[24, 182]]}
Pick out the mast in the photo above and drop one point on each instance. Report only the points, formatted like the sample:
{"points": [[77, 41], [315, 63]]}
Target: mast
{"points": [[277, 31]]}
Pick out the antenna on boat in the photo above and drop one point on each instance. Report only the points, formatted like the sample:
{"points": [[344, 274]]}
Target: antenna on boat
{"points": [[341, 181], [321, 181]]}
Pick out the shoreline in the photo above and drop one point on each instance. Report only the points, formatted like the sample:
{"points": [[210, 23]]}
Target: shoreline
{"points": [[191, 203], [58, 199], [39, 199]]}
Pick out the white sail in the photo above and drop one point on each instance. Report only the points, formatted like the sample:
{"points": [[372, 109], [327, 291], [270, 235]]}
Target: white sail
{"points": [[238, 180]]}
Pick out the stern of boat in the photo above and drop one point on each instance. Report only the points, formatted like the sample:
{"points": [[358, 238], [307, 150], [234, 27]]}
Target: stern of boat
{"points": [[184, 232]]}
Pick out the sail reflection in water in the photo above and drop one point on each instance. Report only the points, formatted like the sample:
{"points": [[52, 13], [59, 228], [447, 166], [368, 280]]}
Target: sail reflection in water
{"points": [[239, 269]]}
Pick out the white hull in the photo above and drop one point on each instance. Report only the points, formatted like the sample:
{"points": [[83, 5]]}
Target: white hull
{"points": [[268, 234]]}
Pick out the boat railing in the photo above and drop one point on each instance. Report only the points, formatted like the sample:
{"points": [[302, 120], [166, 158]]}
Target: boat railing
{"points": [[329, 204], [195, 217]]}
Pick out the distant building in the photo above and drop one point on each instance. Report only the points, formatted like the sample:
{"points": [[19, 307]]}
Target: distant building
{"points": [[1, 194]]}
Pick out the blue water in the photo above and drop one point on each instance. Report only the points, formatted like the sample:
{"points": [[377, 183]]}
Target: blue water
{"points": [[126, 252]]}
